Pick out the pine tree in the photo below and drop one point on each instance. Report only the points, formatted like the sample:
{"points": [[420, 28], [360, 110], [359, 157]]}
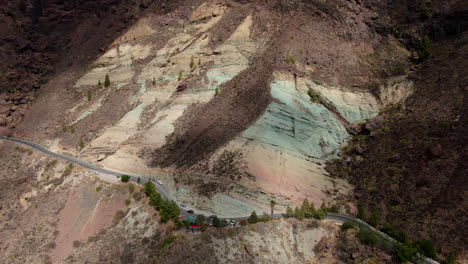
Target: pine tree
{"points": [[253, 218], [298, 213], [107, 80]]}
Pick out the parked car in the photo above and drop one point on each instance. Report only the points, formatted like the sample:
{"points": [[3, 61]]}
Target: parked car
{"points": [[160, 182], [183, 205], [190, 212]]}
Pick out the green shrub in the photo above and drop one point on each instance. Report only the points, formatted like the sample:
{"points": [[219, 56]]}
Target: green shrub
{"points": [[374, 220], [425, 48], [98, 189], [347, 225], [192, 63], [451, 258], [367, 237], [153, 82], [107, 80], [181, 75], [81, 143], [124, 178], [217, 91], [128, 202], [426, 248], [72, 129], [265, 218], [313, 96], [88, 95], [167, 243], [395, 232], [200, 219], [362, 212], [289, 212], [334, 208], [138, 180], [216, 222], [99, 84], [290, 59], [68, 170], [405, 252]]}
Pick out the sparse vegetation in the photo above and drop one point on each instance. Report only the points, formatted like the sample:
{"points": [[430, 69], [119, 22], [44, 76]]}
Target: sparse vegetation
{"points": [[107, 80], [313, 96], [119, 215], [167, 243], [426, 247], [68, 170], [290, 59], [72, 129], [99, 84], [153, 82], [88, 95], [124, 178], [180, 76], [347, 225], [199, 61], [192, 63], [451, 258], [81, 143], [128, 202], [98, 189], [217, 91]]}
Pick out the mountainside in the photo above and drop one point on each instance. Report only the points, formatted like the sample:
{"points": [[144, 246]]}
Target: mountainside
{"points": [[232, 104]]}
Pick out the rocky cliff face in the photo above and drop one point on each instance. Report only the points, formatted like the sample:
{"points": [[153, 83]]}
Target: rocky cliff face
{"points": [[235, 103]]}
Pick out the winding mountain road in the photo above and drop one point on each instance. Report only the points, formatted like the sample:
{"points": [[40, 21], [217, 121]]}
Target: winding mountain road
{"points": [[338, 218]]}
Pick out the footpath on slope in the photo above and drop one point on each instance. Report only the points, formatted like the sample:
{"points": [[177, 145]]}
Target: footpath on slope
{"points": [[339, 218]]}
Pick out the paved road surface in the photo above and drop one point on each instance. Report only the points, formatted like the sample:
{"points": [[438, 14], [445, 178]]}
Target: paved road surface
{"points": [[166, 194]]}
